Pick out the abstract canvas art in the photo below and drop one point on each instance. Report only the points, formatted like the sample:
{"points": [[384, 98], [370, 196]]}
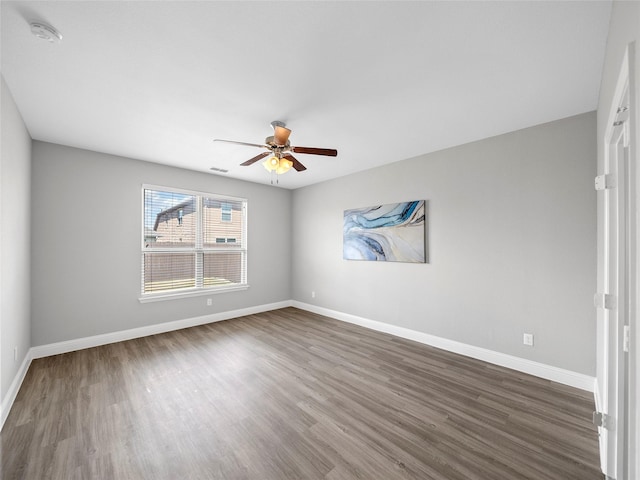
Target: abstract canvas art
{"points": [[390, 233]]}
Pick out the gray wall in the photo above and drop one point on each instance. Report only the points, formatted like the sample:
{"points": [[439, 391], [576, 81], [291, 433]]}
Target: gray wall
{"points": [[15, 198], [511, 244], [86, 224]]}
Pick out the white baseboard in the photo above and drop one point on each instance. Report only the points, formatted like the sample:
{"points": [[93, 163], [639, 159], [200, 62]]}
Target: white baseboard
{"points": [[97, 340], [10, 397], [548, 372], [123, 335], [596, 398]]}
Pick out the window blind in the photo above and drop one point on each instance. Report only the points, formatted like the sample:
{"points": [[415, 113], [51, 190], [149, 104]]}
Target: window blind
{"points": [[192, 241]]}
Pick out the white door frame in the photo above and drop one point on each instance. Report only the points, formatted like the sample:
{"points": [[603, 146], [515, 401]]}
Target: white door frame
{"points": [[632, 460], [613, 296], [617, 386]]}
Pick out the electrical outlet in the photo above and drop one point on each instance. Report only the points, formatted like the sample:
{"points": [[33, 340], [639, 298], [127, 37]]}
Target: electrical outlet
{"points": [[209, 302], [527, 339], [313, 294]]}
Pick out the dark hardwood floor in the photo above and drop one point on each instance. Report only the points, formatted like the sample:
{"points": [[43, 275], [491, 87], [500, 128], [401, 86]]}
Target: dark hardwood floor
{"points": [[291, 395]]}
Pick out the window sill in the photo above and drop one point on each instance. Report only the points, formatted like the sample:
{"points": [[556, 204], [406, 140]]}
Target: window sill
{"points": [[160, 297]]}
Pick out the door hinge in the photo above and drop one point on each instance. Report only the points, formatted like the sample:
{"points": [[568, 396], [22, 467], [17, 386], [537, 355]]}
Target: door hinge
{"points": [[625, 338], [604, 300], [603, 182], [602, 420]]}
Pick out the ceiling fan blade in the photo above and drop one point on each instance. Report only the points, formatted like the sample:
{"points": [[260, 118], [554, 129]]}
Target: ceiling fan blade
{"points": [[329, 152], [296, 164], [253, 160], [281, 135], [242, 143]]}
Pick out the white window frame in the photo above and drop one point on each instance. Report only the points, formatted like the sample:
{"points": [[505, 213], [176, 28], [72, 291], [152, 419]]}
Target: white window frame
{"points": [[198, 249]]}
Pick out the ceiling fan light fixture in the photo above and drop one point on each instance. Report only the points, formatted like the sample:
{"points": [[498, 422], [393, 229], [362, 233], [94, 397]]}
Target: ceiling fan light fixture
{"points": [[284, 166], [278, 165], [271, 163]]}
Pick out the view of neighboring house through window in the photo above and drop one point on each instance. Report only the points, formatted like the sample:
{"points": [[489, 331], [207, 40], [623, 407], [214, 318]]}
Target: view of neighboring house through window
{"points": [[192, 241], [226, 212]]}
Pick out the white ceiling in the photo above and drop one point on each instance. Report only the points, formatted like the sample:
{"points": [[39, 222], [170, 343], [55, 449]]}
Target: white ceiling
{"points": [[379, 81]]}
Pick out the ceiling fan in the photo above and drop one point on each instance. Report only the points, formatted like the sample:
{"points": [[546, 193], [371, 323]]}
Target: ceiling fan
{"points": [[279, 148]]}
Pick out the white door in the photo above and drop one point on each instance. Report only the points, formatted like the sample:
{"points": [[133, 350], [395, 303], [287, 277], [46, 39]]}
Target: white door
{"points": [[614, 301]]}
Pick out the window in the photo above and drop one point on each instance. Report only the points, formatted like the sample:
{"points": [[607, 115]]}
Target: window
{"points": [[225, 240], [225, 212], [192, 243]]}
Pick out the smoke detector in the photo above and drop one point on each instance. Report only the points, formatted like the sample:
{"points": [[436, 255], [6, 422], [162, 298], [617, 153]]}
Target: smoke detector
{"points": [[45, 32]]}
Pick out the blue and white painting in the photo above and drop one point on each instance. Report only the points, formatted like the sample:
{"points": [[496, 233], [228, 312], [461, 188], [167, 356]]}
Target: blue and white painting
{"points": [[387, 233]]}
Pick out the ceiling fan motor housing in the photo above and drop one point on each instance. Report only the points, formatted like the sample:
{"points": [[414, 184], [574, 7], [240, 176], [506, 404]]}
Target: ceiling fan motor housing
{"points": [[271, 140]]}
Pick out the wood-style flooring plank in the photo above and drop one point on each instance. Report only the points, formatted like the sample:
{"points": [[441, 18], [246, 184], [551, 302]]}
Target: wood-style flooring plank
{"points": [[289, 394]]}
